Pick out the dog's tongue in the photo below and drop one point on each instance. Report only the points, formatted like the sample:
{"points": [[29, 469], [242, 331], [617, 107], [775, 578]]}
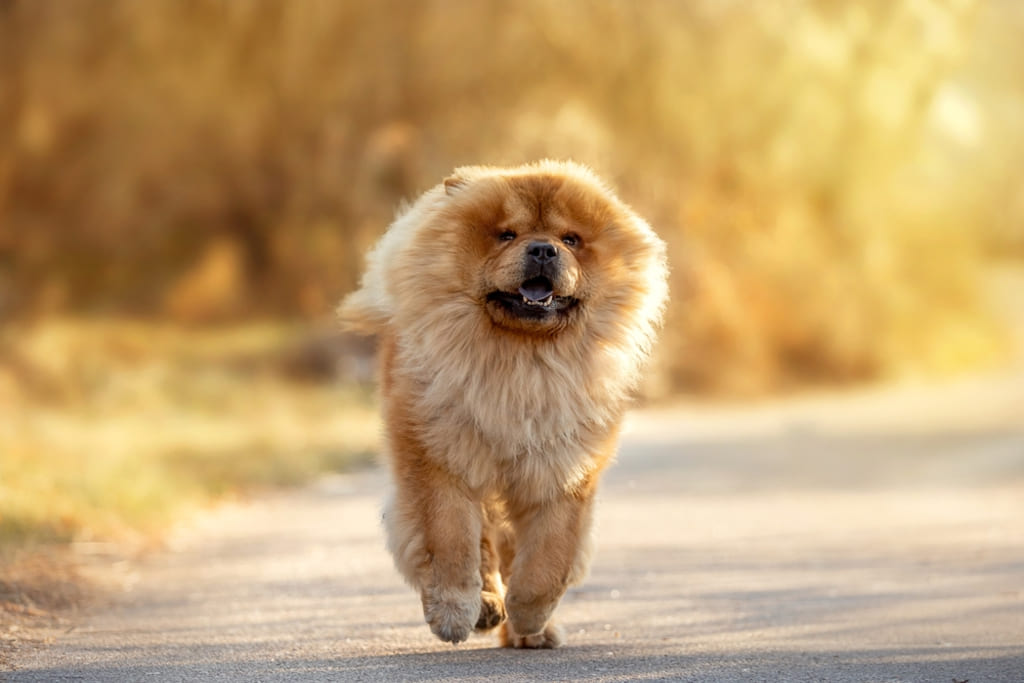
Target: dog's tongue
{"points": [[536, 289]]}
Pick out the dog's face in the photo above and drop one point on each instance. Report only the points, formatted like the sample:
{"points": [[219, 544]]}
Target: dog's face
{"points": [[535, 249], [535, 279]]}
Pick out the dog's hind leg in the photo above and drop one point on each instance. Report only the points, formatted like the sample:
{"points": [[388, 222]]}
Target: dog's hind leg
{"points": [[492, 594]]}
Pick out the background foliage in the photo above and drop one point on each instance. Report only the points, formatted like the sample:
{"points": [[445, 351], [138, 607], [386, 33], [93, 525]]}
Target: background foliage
{"points": [[830, 175]]}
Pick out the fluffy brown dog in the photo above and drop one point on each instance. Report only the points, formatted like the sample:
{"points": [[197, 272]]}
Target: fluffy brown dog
{"points": [[515, 309]]}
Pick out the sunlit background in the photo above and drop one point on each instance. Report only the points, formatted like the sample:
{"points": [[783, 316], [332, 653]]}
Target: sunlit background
{"points": [[187, 188]]}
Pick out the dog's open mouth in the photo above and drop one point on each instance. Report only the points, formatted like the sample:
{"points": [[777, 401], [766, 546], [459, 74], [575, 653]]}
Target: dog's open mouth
{"points": [[537, 291], [534, 299]]}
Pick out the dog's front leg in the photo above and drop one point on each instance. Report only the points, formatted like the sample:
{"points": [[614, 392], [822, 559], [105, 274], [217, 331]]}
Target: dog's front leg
{"points": [[552, 552], [434, 529]]}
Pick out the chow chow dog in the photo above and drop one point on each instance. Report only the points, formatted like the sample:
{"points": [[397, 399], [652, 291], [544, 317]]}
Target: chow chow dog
{"points": [[515, 309]]}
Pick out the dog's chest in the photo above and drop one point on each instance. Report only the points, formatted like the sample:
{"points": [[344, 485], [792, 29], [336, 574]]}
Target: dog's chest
{"points": [[524, 423]]}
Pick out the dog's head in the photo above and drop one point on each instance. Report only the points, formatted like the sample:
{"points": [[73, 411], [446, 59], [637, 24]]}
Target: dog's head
{"points": [[536, 250], [539, 245]]}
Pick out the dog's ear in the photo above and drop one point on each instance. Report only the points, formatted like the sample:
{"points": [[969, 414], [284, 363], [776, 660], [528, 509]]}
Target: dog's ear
{"points": [[454, 183]]}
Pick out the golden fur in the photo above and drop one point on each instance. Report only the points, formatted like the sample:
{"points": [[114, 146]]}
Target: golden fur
{"points": [[515, 310]]}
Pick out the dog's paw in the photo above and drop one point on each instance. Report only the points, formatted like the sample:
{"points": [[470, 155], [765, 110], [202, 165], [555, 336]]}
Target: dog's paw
{"points": [[551, 637], [451, 614], [529, 615], [492, 611]]}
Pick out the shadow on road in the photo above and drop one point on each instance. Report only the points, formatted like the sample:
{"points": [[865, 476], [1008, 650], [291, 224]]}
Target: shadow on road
{"points": [[592, 663]]}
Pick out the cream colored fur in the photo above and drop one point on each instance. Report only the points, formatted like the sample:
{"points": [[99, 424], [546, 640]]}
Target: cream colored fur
{"points": [[516, 418]]}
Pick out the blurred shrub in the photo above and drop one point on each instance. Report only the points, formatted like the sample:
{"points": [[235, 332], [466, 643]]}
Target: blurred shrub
{"points": [[825, 172]]}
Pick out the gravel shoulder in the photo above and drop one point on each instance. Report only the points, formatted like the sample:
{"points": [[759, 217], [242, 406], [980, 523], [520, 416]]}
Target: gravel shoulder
{"points": [[875, 536]]}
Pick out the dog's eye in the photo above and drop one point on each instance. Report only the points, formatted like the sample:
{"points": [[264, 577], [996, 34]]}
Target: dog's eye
{"points": [[571, 240], [507, 236]]}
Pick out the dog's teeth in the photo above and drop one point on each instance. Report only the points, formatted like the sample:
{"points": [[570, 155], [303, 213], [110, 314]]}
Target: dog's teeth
{"points": [[542, 302]]}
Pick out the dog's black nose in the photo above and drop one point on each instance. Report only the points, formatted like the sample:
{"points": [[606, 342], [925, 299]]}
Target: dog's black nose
{"points": [[541, 252]]}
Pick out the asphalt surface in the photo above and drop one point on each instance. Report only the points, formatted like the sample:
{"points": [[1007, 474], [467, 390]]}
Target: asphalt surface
{"points": [[873, 537]]}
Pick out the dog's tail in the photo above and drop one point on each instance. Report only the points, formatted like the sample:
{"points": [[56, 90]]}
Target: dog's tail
{"points": [[365, 311]]}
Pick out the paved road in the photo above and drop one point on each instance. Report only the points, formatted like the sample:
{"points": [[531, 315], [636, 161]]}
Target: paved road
{"points": [[877, 537]]}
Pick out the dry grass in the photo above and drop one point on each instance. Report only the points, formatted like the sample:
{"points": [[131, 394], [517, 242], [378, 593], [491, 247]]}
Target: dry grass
{"points": [[111, 429], [40, 591]]}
